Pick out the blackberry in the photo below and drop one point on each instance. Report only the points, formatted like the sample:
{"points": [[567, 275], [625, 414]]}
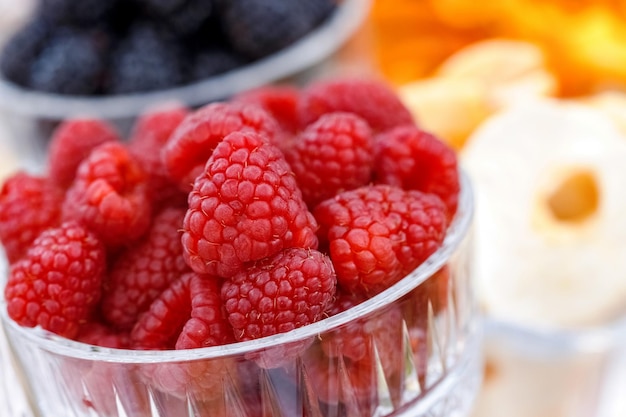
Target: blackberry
{"points": [[76, 11], [160, 7], [190, 17], [257, 29], [20, 51], [71, 63], [147, 59], [215, 61]]}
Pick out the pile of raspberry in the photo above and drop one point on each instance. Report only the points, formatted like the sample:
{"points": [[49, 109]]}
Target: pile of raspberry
{"points": [[235, 221]]}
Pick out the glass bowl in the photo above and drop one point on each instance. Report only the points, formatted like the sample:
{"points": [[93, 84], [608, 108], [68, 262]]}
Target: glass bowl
{"points": [[548, 372], [422, 339], [31, 115]]}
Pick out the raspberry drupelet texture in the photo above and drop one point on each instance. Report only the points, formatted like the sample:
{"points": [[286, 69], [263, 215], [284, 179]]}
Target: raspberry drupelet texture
{"points": [[57, 284], [372, 100], [150, 133], [142, 272], [244, 207], [28, 205], [333, 154], [98, 334], [110, 196], [71, 142], [279, 101], [186, 315], [377, 234], [413, 159], [192, 143], [285, 291]]}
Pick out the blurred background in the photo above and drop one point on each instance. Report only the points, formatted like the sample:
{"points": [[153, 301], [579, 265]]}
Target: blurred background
{"points": [[455, 63]]}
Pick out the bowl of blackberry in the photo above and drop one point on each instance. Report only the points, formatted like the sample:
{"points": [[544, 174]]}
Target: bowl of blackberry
{"points": [[113, 58], [292, 251]]}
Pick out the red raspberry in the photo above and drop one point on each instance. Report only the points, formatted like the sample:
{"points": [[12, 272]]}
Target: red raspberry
{"points": [[28, 205], [98, 334], [333, 154], [434, 291], [337, 380], [413, 159], [377, 234], [372, 100], [279, 101], [193, 142], [145, 270], [288, 290], [149, 135], [245, 207], [356, 341], [57, 284], [110, 196], [72, 142], [187, 315]]}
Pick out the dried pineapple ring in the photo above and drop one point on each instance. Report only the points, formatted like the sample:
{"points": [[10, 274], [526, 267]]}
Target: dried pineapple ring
{"points": [[613, 104], [451, 109], [508, 69], [550, 229]]}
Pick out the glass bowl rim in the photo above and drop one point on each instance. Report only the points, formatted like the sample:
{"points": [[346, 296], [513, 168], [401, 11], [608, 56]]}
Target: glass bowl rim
{"points": [[456, 233], [318, 44]]}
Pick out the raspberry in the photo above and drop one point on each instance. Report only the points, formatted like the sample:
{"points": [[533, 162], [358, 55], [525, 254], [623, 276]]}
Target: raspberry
{"points": [[331, 155], [340, 383], [109, 196], [98, 334], [372, 100], [377, 234], [413, 159], [28, 205], [149, 135], [57, 284], [356, 340], [192, 143], [145, 270], [245, 207], [71, 142], [283, 292], [186, 315], [279, 101], [434, 291]]}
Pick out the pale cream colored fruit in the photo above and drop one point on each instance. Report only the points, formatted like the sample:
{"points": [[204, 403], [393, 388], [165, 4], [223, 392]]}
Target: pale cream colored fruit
{"points": [[550, 181], [451, 109], [509, 70], [613, 103]]}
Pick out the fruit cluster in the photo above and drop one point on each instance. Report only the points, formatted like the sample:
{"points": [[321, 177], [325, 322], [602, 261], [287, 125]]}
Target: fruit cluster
{"points": [[232, 222], [123, 46]]}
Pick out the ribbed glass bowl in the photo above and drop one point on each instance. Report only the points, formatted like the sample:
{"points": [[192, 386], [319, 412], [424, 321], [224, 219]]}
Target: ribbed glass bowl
{"points": [[31, 115], [423, 336]]}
